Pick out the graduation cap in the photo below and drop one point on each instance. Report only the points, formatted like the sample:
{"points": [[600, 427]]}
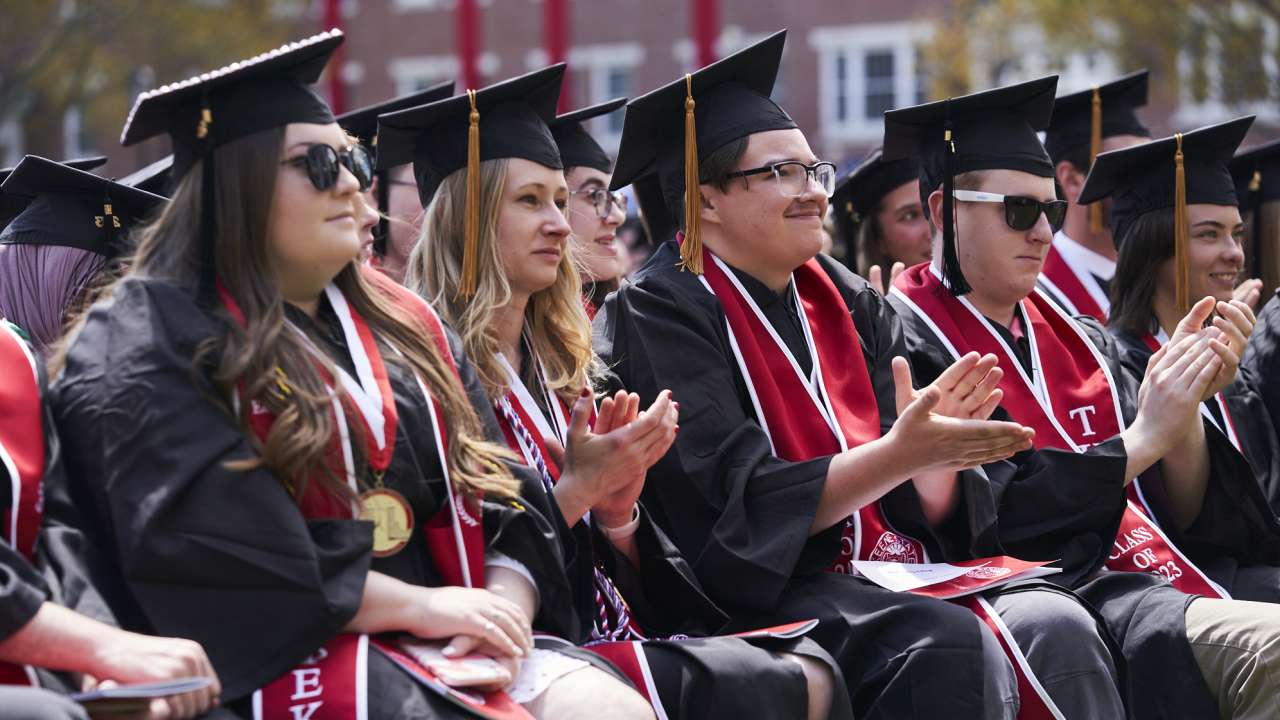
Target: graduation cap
{"points": [[1090, 116], [73, 208], [207, 111], [1172, 172], [861, 189], [505, 120], [156, 178], [1256, 172], [577, 147], [11, 205], [363, 124], [989, 130], [669, 131]]}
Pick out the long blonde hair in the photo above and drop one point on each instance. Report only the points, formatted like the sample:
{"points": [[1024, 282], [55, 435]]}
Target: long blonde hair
{"points": [[246, 359], [559, 329]]}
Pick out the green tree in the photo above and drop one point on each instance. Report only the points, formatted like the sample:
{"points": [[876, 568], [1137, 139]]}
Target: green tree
{"points": [[98, 54]]}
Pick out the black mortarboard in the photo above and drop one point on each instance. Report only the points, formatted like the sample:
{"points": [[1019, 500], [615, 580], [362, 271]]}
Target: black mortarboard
{"points": [[505, 120], [1088, 117], [577, 147], [672, 129], [859, 192], [363, 124], [1256, 172], [989, 130], [246, 97], [11, 205], [657, 217], [156, 178], [73, 208], [1078, 120], [1173, 172]]}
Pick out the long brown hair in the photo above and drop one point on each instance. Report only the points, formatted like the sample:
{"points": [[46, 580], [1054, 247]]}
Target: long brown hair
{"points": [[247, 360], [1146, 245], [558, 325]]}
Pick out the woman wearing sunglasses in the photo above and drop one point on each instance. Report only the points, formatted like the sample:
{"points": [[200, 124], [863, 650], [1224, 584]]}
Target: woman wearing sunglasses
{"points": [[534, 354], [1221, 518], [278, 447]]}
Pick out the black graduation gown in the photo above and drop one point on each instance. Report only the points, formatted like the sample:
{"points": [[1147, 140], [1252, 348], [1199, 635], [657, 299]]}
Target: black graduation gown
{"points": [[1260, 367], [1236, 537], [224, 556], [742, 516], [1057, 504], [696, 674]]}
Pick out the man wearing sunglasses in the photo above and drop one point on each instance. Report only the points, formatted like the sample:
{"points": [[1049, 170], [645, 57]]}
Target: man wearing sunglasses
{"points": [[988, 186], [803, 445]]}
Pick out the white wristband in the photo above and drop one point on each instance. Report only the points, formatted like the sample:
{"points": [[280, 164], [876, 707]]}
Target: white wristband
{"points": [[625, 531]]}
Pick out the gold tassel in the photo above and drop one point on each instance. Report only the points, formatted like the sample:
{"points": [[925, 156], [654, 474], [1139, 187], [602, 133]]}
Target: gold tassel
{"points": [[1182, 293], [691, 250], [467, 283], [1255, 182], [1095, 146]]}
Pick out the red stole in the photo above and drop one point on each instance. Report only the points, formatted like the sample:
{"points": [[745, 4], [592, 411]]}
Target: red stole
{"points": [[22, 456], [1079, 408], [1068, 285], [331, 684], [842, 413]]}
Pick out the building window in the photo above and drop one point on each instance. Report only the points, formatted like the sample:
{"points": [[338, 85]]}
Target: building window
{"points": [[865, 71], [877, 67], [609, 72], [76, 139], [619, 81]]}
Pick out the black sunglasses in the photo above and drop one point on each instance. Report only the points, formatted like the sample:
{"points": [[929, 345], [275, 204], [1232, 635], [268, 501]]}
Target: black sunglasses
{"points": [[1021, 213], [323, 164]]}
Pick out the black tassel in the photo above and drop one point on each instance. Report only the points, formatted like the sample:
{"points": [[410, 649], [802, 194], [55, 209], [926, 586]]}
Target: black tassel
{"points": [[950, 260], [380, 193]]}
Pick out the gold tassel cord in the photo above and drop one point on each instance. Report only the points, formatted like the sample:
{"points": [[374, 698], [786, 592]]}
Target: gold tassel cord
{"points": [[1095, 147], [691, 250], [467, 283], [1255, 182], [1182, 294]]}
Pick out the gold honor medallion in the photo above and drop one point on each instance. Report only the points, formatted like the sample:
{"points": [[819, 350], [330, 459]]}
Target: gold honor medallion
{"points": [[392, 520]]}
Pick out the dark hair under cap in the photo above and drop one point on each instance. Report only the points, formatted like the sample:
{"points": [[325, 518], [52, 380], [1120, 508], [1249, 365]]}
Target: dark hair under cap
{"points": [[988, 130], [1073, 115], [577, 147], [1256, 172]]}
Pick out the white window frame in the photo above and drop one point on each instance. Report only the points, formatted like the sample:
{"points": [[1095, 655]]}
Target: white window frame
{"points": [[414, 6], [597, 61], [410, 73], [11, 140], [855, 41]]}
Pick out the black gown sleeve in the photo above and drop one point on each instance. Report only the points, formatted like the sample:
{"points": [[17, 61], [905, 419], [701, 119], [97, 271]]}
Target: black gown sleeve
{"points": [[1262, 357], [203, 551], [22, 590], [1235, 520], [739, 515], [530, 529], [1050, 504]]}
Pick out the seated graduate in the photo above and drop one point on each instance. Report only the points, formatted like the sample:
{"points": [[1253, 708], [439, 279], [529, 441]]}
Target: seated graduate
{"points": [[879, 220], [392, 187], [1256, 171], [526, 330], [249, 396], [37, 634], [594, 211], [761, 488], [1081, 261], [52, 255], [983, 167], [1171, 254]]}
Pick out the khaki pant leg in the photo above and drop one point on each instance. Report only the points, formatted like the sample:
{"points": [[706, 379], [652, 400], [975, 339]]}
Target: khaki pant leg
{"points": [[1237, 645]]}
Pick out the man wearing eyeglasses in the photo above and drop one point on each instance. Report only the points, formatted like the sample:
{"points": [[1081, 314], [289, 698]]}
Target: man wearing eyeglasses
{"points": [[803, 446], [988, 186]]}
